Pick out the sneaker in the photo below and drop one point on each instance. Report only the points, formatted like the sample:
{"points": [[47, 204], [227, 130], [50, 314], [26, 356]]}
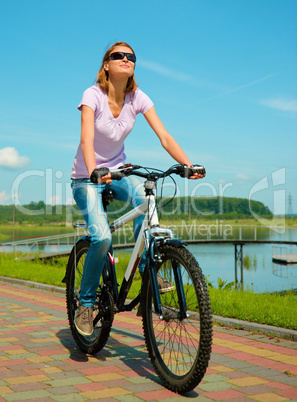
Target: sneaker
{"points": [[164, 286], [84, 320]]}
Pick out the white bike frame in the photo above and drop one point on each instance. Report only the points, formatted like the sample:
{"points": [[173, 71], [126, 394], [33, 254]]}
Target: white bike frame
{"points": [[150, 227]]}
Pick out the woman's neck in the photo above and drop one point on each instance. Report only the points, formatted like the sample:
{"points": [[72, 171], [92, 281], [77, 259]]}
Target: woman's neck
{"points": [[116, 90]]}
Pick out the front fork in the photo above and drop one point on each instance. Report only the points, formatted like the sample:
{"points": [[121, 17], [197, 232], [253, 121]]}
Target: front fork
{"points": [[151, 264], [153, 257]]}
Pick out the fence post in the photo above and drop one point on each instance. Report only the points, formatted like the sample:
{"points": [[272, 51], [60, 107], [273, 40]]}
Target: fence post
{"points": [[236, 280], [239, 257]]}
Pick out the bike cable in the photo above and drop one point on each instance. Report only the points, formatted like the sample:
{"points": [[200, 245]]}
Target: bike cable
{"points": [[161, 196]]}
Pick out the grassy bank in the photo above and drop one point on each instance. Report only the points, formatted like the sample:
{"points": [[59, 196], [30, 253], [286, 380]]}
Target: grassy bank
{"points": [[10, 232], [278, 310], [289, 221], [23, 227], [271, 309]]}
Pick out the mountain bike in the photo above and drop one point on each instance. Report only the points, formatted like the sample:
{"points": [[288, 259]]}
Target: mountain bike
{"points": [[177, 325]]}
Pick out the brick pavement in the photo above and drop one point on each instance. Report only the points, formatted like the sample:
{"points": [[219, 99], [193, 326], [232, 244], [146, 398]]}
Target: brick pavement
{"points": [[39, 360]]}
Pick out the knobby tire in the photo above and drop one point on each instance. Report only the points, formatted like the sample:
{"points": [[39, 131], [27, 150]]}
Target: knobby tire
{"points": [[104, 307], [179, 349]]}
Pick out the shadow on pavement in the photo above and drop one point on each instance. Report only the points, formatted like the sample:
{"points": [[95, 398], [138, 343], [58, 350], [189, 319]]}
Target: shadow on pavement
{"points": [[134, 358]]}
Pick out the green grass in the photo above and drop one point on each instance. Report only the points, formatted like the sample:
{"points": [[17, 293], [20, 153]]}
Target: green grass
{"points": [[50, 272], [279, 310]]}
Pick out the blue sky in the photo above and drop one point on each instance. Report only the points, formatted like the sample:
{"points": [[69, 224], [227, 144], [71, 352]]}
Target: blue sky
{"points": [[222, 76]]}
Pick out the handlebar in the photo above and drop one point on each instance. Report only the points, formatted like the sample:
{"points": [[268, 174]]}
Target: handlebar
{"points": [[150, 174]]}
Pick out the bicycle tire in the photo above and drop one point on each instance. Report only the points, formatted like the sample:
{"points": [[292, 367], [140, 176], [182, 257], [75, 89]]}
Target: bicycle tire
{"points": [[104, 306], [179, 349]]}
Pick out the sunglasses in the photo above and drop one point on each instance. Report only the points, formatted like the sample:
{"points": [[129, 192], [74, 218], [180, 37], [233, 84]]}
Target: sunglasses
{"points": [[121, 55]]}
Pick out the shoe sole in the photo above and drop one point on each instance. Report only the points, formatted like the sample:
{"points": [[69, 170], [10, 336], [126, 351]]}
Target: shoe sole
{"points": [[166, 290]]}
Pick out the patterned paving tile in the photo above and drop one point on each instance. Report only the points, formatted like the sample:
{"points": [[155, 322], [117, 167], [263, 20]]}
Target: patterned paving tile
{"points": [[224, 395], [268, 397], [246, 381], [39, 360]]}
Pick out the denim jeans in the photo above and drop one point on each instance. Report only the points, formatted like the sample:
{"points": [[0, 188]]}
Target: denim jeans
{"points": [[88, 197]]}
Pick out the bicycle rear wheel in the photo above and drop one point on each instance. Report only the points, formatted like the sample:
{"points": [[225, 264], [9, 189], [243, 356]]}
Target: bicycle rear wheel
{"points": [[104, 306], [179, 348]]}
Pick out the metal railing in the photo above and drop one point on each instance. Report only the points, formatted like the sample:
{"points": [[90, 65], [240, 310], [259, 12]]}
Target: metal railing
{"points": [[125, 237]]}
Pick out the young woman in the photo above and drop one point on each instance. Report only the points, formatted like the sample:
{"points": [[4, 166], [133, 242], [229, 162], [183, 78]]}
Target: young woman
{"points": [[108, 112]]}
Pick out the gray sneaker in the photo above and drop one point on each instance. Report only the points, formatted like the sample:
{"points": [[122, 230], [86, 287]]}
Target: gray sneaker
{"points": [[164, 286], [84, 320]]}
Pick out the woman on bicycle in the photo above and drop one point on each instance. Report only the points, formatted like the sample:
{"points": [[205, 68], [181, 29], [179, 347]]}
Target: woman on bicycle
{"points": [[108, 113]]}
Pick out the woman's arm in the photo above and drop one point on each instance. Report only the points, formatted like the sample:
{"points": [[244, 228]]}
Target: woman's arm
{"points": [[87, 141], [167, 141], [87, 138]]}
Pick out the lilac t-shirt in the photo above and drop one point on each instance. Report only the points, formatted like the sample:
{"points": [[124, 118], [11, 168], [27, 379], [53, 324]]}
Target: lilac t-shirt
{"points": [[110, 132]]}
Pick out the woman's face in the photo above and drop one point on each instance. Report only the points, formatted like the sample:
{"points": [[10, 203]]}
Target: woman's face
{"points": [[122, 67]]}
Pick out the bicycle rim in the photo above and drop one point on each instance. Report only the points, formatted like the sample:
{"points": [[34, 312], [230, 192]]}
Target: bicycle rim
{"points": [[103, 309], [179, 348]]}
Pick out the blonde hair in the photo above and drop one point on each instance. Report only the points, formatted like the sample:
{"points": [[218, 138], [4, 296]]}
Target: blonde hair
{"points": [[102, 75]]}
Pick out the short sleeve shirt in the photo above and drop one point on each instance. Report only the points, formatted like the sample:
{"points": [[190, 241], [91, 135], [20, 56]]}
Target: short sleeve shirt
{"points": [[110, 132]]}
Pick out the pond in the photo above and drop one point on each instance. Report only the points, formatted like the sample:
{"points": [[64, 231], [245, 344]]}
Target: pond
{"points": [[260, 273], [216, 260]]}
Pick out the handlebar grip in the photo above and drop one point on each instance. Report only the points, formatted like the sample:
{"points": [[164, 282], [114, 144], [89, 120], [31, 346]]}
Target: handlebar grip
{"points": [[197, 169], [188, 171], [117, 175]]}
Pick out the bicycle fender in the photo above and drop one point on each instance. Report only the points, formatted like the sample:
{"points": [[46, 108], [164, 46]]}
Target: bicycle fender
{"points": [[85, 238]]}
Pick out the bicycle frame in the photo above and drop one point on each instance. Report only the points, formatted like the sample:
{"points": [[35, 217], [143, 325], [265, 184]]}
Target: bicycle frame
{"points": [[150, 229], [150, 235], [173, 299]]}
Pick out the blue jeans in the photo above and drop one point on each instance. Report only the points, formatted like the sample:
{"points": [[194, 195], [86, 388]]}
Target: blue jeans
{"points": [[88, 197]]}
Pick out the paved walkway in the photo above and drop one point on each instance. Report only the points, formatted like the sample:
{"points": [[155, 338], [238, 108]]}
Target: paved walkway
{"points": [[39, 360]]}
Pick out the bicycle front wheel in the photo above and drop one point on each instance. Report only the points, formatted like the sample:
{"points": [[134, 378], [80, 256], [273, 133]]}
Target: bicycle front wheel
{"points": [[103, 309], [179, 348]]}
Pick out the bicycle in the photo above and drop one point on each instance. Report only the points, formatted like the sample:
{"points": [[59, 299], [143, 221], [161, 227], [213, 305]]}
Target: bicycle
{"points": [[177, 324]]}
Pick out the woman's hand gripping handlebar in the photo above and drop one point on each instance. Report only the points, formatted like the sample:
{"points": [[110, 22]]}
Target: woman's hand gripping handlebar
{"points": [[104, 175], [191, 172]]}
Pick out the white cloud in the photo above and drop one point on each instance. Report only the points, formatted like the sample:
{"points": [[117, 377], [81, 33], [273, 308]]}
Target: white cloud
{"points": [[242, 179], [10, 158], [243, 86], [181, 76], [287, 105], [4, 197], [70, 201], [163, 70], [55, 200]]}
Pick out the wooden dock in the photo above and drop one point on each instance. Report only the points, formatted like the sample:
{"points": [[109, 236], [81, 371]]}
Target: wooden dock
{"points": [[57, 254], [285, 258]]}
